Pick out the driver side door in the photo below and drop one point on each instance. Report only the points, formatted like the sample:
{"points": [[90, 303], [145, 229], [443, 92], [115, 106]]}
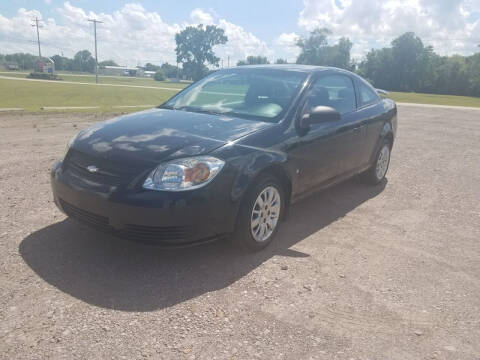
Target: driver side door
{"points": [[329, 149]]}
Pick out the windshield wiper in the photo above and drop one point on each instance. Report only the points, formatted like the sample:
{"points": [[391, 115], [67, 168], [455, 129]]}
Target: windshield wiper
{"points": [[197, 110]]}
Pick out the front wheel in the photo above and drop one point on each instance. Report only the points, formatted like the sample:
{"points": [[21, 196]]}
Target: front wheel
{"points": [[378, 170], [260, 214]]}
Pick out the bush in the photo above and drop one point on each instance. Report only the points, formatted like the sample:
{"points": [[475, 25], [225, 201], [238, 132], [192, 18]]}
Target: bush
{"points": [[43, 76], [159, 76]]}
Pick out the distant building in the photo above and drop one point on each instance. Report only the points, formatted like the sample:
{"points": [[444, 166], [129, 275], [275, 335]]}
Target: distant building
{"points": [[121, 71], [11, 66]]}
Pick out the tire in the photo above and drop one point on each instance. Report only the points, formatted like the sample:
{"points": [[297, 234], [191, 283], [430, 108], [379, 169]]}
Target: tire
{"points": [[379, 168], [247, 236]]}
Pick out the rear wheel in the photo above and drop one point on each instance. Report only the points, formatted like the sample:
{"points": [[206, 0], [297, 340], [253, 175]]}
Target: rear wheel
{"points": [[260, 214], [379, 169]]}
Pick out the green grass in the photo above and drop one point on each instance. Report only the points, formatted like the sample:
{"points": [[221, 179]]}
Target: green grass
{"points": [[116, 80], [436, 99], [32, 95]]}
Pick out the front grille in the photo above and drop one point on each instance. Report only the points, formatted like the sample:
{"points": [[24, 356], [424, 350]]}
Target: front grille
{"points": [[97, 221], [110, 172], [168, 235], [164, 234]]}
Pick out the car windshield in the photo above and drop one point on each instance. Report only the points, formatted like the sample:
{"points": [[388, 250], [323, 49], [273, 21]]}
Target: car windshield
{"points": [[256, 94]]}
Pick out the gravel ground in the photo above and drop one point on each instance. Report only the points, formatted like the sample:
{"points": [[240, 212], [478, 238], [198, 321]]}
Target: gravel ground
{"points": [[389, 272]]}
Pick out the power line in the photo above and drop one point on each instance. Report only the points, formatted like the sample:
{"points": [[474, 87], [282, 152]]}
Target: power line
{"points": [[38, 36], [95, 21]]}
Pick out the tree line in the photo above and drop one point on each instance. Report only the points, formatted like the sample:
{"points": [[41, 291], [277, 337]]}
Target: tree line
{"points": [[409, 65], [406, 65], [82, 61]]}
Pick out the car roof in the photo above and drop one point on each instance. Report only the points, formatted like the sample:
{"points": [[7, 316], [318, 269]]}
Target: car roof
{"points": [[291, 67]]}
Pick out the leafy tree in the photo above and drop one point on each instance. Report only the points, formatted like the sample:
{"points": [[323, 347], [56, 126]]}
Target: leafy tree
{"points": [[195, 48], [453, 76], [314, 50], [281, 61], [427, 70], [23, 60], [107, 63], [151, 67], [377, 68], [159, 75], [170, 71], [83, 61], [408, 65], [62, 63], [253, 60], [339, 54], [473, 64], [406, 51]]}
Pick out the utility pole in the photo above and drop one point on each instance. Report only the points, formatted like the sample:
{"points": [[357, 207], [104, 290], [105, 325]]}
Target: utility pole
{"points": [[228, 61], [95, 21], [37, 21]]}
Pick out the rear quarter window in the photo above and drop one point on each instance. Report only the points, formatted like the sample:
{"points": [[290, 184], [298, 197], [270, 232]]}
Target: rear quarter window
{"points": [[367, 95]]}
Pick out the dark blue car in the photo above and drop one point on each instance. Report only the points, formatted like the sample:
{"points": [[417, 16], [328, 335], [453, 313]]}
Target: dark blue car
{"points": [[226, 156]]}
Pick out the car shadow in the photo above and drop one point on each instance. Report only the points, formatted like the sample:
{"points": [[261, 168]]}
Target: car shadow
{"points": [[117, 274]]}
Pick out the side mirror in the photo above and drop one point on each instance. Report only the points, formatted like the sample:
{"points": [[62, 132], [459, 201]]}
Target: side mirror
{"points": [[319, 115]]}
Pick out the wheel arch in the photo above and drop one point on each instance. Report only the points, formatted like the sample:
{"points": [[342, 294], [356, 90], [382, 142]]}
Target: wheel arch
{"points": [[278, 171], [246, 180], [386, 134]]}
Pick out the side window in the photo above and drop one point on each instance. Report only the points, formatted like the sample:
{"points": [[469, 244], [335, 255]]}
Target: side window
{"points": [[335, 91], [367, 95]]}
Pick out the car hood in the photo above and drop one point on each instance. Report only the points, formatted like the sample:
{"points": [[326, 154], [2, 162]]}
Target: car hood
{"points": [[159, 134]]}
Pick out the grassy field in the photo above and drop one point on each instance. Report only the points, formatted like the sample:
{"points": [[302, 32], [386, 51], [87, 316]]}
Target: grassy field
{"points": [[32, 95], [435, 99], [115, 80]]}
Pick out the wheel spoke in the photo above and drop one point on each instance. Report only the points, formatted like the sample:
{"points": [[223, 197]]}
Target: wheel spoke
{"points": [[275, 207], [271, 223], [262, 230], [257, 230], [259, 201], [268, 228]]}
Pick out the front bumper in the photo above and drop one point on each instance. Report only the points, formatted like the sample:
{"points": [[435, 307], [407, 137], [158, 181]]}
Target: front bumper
{"points": [[165, 218]]}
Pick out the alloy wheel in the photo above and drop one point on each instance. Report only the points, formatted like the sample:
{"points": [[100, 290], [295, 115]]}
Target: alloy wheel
{"points": [[265, 214], [382, 162]]}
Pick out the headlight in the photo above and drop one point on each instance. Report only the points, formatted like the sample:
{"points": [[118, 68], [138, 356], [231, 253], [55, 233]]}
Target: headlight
{"points": [[184, 174]]}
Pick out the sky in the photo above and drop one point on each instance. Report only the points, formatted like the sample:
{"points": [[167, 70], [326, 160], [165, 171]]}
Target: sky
{"points": [[136, 32]]}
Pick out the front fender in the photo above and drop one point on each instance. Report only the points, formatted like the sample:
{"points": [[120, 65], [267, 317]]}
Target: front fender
{"points": [[247, 162]]}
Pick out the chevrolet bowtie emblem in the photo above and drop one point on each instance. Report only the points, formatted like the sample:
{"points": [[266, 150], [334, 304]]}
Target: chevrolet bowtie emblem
{"points": [[92, 168]]}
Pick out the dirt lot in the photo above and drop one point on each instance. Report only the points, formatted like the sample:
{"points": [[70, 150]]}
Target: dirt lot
{"points": [[391, 272]]}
